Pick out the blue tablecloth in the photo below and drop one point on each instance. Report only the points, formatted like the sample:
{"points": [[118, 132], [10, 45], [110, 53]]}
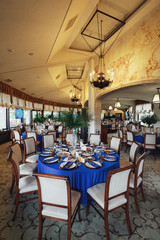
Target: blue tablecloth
{"points": [[81, 178]]}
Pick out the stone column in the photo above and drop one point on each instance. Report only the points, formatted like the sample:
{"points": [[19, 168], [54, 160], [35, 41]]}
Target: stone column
{"points": [[91, 99]]}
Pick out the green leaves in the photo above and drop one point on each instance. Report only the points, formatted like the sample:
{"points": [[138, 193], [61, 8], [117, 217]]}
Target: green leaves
{"points": [[74, 120], [149, 119]]}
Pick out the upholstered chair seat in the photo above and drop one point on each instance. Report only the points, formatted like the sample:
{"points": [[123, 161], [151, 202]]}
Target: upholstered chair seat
{"points": [[27, 184], [148, 146], [27, 168], [32, 158], [61, 213]]}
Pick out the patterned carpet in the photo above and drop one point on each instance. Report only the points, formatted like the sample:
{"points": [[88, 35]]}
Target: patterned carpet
{"points": [[144, 226]]}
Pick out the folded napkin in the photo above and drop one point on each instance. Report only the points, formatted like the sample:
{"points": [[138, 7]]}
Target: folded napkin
{"points": [[67, 165], [82, 146], [93, 164], [50, 160]]}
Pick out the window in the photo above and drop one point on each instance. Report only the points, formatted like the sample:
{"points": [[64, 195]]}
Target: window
{"points": [[13, 120], [2, 117], [26, 116], [46, 114]]}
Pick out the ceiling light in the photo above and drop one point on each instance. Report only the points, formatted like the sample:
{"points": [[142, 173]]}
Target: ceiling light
{"points": [[110, 107], [74, 96], [102, 80], [115, 109], [117, 104], [31, 54], [156, 97]]}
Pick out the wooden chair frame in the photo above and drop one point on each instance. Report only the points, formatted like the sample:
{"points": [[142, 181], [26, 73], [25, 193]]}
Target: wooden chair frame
{"points": [[43, 140], [151, 143], [135, 171], [70, 218], [135, 154], [106, 200], [127, 145], [16, 174]]}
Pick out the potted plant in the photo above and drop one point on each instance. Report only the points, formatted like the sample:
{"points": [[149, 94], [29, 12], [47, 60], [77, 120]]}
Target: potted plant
{"points": [[149, 120], [74, 121]]}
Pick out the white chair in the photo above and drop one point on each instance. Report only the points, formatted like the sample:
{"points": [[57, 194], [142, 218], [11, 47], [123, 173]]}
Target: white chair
{"points": [[95, 139], [132, 156], [56, 200], [26, 169], [32, 134], [122, 137], [136, 180], [24, 185], [112, 194], [150, 140], [30, 155], [47, 141], [115, 144], [130, 139], [17, 137], [54, 134]]}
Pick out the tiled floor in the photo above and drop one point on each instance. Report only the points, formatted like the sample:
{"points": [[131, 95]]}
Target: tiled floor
{"points": [[144, 226]]}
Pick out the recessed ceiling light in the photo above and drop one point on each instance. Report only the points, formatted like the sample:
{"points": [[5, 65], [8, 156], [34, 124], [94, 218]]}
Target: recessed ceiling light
{"points": [[10, 50], [8, 80], [31, 54], [23, 89]]}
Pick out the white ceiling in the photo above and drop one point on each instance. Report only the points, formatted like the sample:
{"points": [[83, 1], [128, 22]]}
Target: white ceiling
{"points": [[40, 39]]}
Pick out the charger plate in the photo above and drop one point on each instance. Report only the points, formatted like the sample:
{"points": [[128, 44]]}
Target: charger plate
{"points": [[67, 166], [50, 160]]}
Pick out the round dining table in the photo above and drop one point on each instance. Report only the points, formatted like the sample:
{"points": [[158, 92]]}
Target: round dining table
{"points": [[81, 178]]}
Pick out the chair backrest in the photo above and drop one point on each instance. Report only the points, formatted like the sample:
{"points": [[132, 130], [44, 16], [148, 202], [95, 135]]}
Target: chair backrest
{"points": [[113, 126], [139, 167], [69, 138], [18, 129], [17, 151], [130, 136], [117, 183], [27, 128], [51, 127], [60, 129], [47, 141], [95, 139], [150, 138], [133, 152], [17, 136], [31, 134], [53, 133], [120, 134], [115, 144], [15, 164], [53, 190], [29, 146]]}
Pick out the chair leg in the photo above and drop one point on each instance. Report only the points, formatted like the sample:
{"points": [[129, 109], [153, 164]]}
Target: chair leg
{"points": [[142, 193], [106, 226], [16, 208], [40, 227], [69, 230], [13, 180], [127, 217], [136, 201], [88, 205], [79, 215]]}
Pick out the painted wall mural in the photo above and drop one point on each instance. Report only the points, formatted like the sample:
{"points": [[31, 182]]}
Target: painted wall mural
{"points": [[136, 55]]}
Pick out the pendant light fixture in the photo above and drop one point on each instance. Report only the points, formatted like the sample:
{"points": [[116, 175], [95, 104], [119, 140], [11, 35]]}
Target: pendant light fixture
{"points": [[117, 104], [156, 97], [110, 107]]}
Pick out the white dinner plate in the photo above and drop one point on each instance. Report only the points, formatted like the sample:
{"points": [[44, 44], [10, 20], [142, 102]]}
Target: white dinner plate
{"points": [[93, 164], [70, 165]]}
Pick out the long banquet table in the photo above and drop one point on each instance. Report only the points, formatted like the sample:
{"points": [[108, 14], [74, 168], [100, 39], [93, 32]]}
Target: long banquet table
{"points": [[81, 178]]}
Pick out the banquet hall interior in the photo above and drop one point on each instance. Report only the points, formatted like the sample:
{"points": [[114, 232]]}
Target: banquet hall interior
{"points": [[80, 104]]}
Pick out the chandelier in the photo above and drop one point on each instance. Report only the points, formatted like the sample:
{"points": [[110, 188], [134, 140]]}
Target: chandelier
{"points": [[102, 80], [74, 96]]}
